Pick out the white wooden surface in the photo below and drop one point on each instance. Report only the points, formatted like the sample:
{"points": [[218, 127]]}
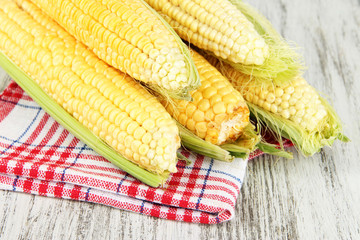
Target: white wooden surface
{"points": [[314, 198]]}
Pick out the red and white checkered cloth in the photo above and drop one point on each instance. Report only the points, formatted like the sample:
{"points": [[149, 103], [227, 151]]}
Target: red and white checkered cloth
{"points": [[40, 157]]}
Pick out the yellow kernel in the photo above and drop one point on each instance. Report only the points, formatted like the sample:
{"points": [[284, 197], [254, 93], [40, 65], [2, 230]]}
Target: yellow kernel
{"points": [[270, 98], [135, 145], [285, 97], [230, 98], [120, 147], [204, 105], [260, 102], [209, 92], [299, 105], [142, 117], [293, 101], [135, 112], [140, 60], [297, 94], [278, 101], [120, 117], [159, 43], [163, 142], [284, 105], [143, 149], [148, 124], [121, 136], [300, 113], [190, 109], [125, 122], [159, 150], [131, 106], [215, 99], [136, 157], [266, 106], [128, 141], [132, 127], [219, 108], [139, 133], [191, 124], [292, 110], [134, 68], [144, 160], [182, 118], [111, 128], [279, 92], [289, 90], [153, 144], [230, 108], [220, 118], [263, 94], [128, 153], [201, 127], [197, 96], [285, 114], [105, 125], [156, 135], [209, 114], [146, 139], [128, 49], [201, 134], [249, 96], [198, 116], [273, 108]]}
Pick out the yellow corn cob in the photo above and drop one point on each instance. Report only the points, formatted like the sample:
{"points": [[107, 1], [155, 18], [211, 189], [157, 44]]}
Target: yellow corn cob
{"points": [[127, 35], [293, 109], [111, 104], [295, 100], [215, 25], [218, 113]]}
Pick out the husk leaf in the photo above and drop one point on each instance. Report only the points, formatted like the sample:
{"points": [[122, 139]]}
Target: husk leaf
{"points": [[273, 150], [192, 142], [225, 152]]}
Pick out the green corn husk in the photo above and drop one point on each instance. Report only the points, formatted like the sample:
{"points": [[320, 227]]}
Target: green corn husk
{"points": [[180, 156], [75, 127], [245, 144], [248, 142], [274, 150], [192, 142], [306, 142], [225, 152], [283, 62]]}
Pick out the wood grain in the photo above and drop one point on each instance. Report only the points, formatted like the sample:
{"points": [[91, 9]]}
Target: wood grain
{"points": [[313, 198]]}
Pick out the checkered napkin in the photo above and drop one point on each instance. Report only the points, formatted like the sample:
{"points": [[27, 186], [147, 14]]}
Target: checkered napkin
{"points": [[40, 157]]}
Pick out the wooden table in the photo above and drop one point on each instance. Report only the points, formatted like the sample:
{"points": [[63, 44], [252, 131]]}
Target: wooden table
{"points": [[313, 198]]}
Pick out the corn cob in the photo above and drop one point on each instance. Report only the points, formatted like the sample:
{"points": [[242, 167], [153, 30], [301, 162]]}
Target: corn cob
{"points": [[282, 64], [111, 104], [218, 112], [217, 26], [130, 36], [294, 109]]}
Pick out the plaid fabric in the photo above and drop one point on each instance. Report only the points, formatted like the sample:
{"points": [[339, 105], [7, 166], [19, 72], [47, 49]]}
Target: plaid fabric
{"points": [[40, 157]]}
